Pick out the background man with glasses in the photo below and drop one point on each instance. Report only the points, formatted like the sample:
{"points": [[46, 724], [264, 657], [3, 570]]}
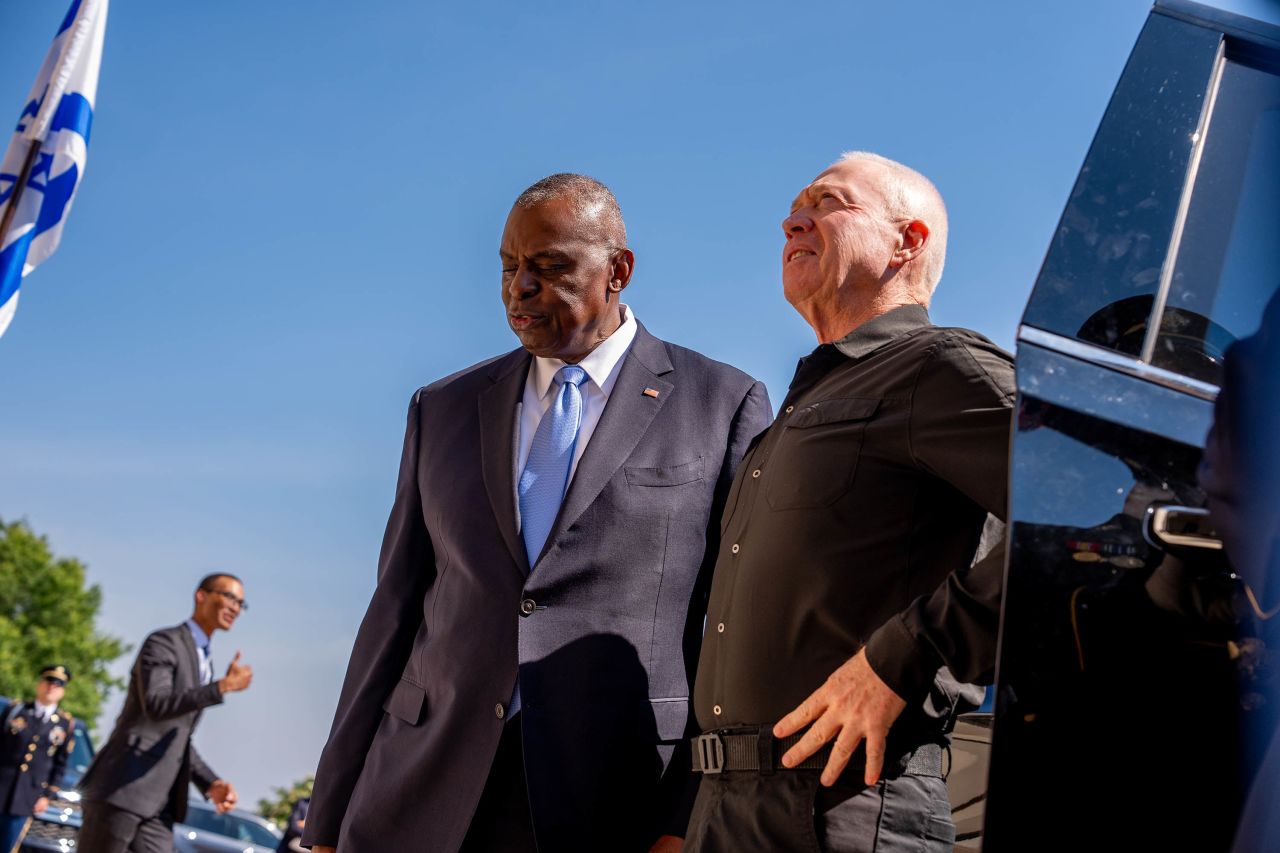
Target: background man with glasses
{"points": [[136, 787], [35, 741]]}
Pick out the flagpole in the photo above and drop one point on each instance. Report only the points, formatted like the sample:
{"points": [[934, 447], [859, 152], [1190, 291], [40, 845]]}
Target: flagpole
{"points": [[11, 210]]}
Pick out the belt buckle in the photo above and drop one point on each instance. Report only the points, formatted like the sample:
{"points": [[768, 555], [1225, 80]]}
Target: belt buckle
{"points": [[710, 753]]}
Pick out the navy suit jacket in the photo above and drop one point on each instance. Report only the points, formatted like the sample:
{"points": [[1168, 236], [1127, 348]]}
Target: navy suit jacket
{"points": [[604, 630]]}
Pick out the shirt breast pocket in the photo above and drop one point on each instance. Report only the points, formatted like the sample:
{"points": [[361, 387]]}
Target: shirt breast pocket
{"points": [[815, 458]]}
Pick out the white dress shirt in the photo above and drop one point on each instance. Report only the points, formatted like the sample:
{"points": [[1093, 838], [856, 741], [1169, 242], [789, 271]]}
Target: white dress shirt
{"points": [[202, 651], [44, 712], [601, 364]]}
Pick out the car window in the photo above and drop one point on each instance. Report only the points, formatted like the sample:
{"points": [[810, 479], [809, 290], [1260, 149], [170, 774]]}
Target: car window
{"points": [[1228, 259], [247, 830], [81, 753], [1102, 274], [209, 822], [231, 826]]}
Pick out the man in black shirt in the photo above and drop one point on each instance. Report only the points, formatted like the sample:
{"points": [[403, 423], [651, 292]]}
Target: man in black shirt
{"points": [[854, 590]]}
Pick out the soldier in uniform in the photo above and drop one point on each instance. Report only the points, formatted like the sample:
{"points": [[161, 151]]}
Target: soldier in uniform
{"points": [[36, 739]]}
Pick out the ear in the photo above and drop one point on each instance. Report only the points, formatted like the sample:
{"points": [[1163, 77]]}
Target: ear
{"points": [[912, 241], [620, 269]]}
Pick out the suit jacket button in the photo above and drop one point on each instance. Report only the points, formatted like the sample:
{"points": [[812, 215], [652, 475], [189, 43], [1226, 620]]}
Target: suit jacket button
{"points": [[499, 711], [527, 607], [23, 768]]}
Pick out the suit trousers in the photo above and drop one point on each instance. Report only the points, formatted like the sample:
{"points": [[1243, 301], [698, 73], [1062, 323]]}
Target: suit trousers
{"points": [[503, 822], [107, 829], [741, 811]]}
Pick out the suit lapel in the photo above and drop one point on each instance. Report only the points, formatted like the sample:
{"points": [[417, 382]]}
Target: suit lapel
{"points": [[625, 420], [189, 643], [498, 412]]}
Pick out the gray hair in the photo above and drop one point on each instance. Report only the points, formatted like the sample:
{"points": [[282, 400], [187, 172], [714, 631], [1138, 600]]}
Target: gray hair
{"points": [[910, 195], [590, 199]]}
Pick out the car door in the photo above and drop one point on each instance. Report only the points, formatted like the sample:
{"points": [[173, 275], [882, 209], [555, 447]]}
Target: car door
{"points": [[1129, 674]]}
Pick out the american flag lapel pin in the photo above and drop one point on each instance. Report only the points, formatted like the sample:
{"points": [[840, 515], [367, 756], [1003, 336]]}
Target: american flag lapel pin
{"points": [[651, 392]]}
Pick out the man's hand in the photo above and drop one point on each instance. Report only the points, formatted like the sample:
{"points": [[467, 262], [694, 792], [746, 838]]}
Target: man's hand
{"points": [[667, 844], [238, 676], [41, 805], [223, 794], [853, 705]]}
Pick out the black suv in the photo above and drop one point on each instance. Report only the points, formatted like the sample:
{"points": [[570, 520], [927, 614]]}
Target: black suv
{"points": [[1132, 675]]}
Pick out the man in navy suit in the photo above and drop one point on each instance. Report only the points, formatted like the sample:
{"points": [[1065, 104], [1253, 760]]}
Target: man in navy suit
{"points": [[521, 678]]}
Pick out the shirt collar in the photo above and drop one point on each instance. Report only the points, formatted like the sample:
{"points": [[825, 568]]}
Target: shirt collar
{"points": [[201, 638], [601, 363], [45, 711], [878, 331]]}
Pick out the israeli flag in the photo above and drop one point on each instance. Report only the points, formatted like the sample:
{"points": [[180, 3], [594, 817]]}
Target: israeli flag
{"points": [[50, 145]]}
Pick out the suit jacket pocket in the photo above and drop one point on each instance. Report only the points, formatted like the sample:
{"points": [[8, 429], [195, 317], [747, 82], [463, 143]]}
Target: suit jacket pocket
{"points": [[814, 460], [406, 702], [669, 475], [671, 717]]}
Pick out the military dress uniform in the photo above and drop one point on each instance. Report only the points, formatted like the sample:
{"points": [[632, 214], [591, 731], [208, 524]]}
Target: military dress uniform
{"points": [[33, 753]]}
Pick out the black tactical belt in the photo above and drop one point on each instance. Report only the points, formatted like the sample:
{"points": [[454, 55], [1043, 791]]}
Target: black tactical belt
{"points": [[759, 751]]}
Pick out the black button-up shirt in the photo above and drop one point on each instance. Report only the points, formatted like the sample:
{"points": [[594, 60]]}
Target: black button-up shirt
{"points": [[854, 520]]}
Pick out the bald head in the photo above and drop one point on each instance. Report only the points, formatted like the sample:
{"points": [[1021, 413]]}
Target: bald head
{"points": [[909, 195], [592, 202]]}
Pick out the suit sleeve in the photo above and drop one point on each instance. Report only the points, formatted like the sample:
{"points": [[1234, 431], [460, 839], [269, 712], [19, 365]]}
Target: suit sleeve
{"points": [[406, 568], [202, 774], [679, 786], [960, 431], [154, 670]]}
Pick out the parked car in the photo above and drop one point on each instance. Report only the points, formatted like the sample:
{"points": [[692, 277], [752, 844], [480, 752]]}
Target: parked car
{"points": [[1130, 674], [206, 831]]}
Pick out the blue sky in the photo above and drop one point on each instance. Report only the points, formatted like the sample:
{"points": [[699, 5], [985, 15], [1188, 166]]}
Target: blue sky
{"points": [[290, 221]]}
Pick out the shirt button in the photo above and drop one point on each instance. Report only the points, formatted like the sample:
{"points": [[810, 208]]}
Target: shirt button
{"points": [[720, 628], [499, 711], [755, 474], [735, 549], [715, 709], [527, 607], [790, 409]]}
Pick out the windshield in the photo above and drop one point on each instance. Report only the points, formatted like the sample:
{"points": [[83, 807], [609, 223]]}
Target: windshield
{"points": [[231, 826]]}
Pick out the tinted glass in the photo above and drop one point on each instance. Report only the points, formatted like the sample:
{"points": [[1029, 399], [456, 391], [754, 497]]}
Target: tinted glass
{"points": [[247, 830], [1228, 263], [209, 822], [1102, 272], [81, 754]]}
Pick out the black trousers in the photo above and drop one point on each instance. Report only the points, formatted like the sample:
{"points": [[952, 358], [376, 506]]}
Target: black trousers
{"points": [[741, 811], [107, 829], [503, 822]]}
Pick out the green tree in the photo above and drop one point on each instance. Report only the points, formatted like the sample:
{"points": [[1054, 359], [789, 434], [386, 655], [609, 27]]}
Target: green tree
{"points": [[276, 808], [47, 616]]}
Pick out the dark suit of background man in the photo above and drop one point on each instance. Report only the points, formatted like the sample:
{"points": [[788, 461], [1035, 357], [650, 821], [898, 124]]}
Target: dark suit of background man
{"points": [[136, 787], [36, 739], [844, 582], [524, 665]]}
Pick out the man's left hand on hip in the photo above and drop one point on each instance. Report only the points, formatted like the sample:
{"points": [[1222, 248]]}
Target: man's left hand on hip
{"points": [[853, 705]]}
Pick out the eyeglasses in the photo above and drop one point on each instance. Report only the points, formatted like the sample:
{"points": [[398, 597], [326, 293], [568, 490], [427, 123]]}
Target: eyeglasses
{"points": [[231, 599]]}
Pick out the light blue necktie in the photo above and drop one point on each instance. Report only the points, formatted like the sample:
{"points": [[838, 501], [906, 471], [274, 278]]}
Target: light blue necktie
{"points": [[546, 473]]}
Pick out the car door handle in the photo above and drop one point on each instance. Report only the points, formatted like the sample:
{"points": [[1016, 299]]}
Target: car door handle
{"points": [[1170, 526]]}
